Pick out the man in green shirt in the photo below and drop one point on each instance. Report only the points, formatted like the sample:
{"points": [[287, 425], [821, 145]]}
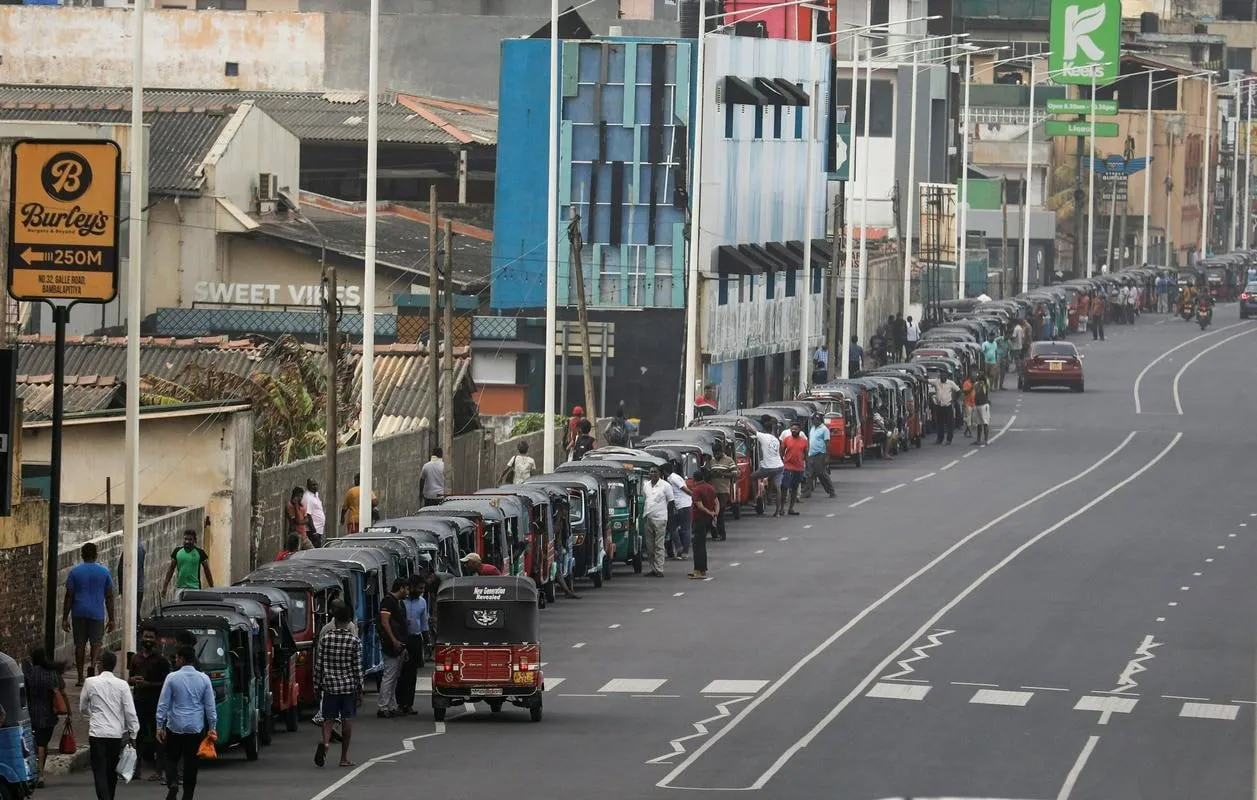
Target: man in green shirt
{"points": [[187, 562]]}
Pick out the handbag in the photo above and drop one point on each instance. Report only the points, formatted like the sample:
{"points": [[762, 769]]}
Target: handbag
{"points": [[69, 745], [59, 706], [126, 762]]}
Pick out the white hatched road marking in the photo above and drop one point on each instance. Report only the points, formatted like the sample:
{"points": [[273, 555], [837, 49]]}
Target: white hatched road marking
{"points": [[633, 685], [733, 687], [700, 728], [997, 697], [905, 666], [1209, 711], [898, 691], [1126, 681]]}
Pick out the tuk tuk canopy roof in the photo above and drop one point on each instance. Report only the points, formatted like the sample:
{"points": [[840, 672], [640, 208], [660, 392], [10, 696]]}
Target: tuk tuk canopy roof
{"points": [[497, 589], [581, 480], [283, 574], [196, 615], [484, 507], [599, 468], [365, 558]]}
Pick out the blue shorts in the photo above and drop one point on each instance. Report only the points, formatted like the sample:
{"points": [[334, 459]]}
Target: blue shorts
{"points": [[339, 706], [792, 479]]}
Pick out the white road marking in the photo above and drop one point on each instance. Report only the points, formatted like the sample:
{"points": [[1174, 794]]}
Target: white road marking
{"points": [[613, 627], [1160, 619], [829, 515], [784, 539], [1209, 711], [576, 694], [968, 683], [970, 453], [735, 563], [1072, 778], [700, 727], [1007, 426], [678, 594], [578, 645], [708, 579], [948, 465], [805, 527], [408, 745], [1046, 688], [926, 476], [759, 552], [890, 489], [1196, 574], [1243, 524], [1140, 377], [1107, 706], [898, 691], [655, 696], [1178, 404], [997, 697], [1208, 560], [1230, 535], [816, 652], [1184, 588], [905, 666], [1172, 603], [1181, 697], [1221, 547], [633, 685], [733, 687], [551, 683], [860, 502], [647, 610], [908, 680]]}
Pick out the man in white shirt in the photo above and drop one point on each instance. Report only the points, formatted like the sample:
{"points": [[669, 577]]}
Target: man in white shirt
{"points": [[659, 502], [432, 479], [770, 464], [314, 508], [944, 418], [106, 701], [914, 335], [680, 524]]}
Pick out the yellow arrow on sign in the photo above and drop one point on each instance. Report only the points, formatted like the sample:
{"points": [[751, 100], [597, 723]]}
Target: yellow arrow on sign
{"points": [[31, 256]]}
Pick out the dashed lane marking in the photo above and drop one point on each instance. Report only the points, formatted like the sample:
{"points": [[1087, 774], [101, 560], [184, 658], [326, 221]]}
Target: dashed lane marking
{"points": [[735, 563], [968, 683], [805, 527], [997, 697], [926, 476], [785, 538], [613, 627], [948, 466], [1045, 688], [678, 594], [759, 552], [578, 645], [890, 489], [647, 610], [1184, 697], [897, 691], [735, 687], [860, 502], [1209, 711], [633, 685]]}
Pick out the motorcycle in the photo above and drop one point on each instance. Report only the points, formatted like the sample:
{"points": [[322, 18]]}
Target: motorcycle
{"points": [[1204, 315]]}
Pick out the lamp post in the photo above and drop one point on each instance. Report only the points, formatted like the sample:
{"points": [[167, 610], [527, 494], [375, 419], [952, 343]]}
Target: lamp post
{"points": [[1235, 167], [1206, 195], [962, 189], [1091, 185], [366, 432], [552, 245], [1248, 158]]}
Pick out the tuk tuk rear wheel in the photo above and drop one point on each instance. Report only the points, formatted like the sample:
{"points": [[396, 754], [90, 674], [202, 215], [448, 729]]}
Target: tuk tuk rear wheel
{"points": [[291, 719], [534, 711], [251, 746], [495, 706], [438, 713], [637, 562], [265, 729]]}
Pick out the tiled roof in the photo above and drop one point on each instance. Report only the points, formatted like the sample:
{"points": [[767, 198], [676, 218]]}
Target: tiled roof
{"points": [[179, 140], [334, 116], [96, 365]]}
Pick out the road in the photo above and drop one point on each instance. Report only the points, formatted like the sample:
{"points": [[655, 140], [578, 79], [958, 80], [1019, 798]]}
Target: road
{"points": [[1064, 615]]}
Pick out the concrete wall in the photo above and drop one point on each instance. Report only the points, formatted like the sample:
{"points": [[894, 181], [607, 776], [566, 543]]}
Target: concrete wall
{"points": [[85, 521], [189, 461], [257, 144], [182, 246], [160, 536], [274, 51], [255, 259]]}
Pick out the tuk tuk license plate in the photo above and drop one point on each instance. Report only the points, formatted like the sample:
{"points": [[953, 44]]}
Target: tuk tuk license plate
{"points": [[486, 692], [1055, 366]]}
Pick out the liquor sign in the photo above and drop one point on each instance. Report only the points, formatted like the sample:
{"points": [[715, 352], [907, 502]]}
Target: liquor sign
{"points": [[1057, 127]]}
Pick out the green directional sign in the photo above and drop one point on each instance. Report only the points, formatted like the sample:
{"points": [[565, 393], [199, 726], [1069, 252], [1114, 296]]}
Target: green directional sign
{"points": [[1085, 41], [1057, 127], [1103, 108]]}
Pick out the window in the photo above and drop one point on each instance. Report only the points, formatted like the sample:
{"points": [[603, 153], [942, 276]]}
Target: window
{"points": [[881, 120], [759, 122], [799, 111], [728, 120], [816, 280], [790, 283], [232, 69], [722, 292], [1240, 58], [770, 285], [778, 111]]}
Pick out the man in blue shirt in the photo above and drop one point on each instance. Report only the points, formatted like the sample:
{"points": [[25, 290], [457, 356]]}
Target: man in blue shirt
{"points": [[416, 606], [818, 456], [990, 356], [186, 714], [88, 604]]}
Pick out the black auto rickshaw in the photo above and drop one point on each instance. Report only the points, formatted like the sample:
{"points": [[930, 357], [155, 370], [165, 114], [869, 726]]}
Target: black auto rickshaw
{"points": [[623, 521], [18, 770], [488, 645], [539, 560]]}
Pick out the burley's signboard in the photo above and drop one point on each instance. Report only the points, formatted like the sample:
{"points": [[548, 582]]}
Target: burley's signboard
{"points": [[63, 242]]}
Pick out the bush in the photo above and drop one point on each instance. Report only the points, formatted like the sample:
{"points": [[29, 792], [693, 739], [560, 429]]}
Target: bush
{"points": [[531, 423]]}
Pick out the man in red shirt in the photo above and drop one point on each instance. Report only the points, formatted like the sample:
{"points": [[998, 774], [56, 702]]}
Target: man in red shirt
{"points": [[473, 564], [706, 507], [794, 456]]}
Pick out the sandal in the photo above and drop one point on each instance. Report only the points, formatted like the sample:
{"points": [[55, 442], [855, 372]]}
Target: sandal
{"points": [[348, 764]]}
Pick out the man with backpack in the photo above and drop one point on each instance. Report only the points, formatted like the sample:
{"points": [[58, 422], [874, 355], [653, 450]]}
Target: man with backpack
{"points": [[584, 442], [617, 431]]}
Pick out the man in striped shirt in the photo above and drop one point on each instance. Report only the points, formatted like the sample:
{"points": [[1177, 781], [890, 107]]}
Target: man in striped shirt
{"points": [[338, 675]]}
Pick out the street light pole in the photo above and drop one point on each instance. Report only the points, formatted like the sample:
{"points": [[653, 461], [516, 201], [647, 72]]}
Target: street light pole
{"points": [[805, 290], [1091, 186], [552, 247], [696, 228], [1248, 158], [1025, 201], [963, 193], [1147, 170], [850, 246], [912, 184], [1235, 166], [366, 431], [1206, 195], [862, 290]]}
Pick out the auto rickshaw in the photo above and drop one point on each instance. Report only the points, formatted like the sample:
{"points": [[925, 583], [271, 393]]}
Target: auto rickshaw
{"points": [[403, 551], [554, 502], [533, 534], [585, 520], [846, 438], [859, 396], [443, 531], [740, 436], [368, 573], [225, 651], [285, 691], [623, 523], [18, 770], [488, 645], [640, 462], [491, 541], [310, 591]]}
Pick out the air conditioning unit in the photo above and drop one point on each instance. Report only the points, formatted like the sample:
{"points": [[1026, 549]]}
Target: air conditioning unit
{"points": [[268, 187]]}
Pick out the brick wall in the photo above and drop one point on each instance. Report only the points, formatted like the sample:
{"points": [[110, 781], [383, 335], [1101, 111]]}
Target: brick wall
{"points": [[22, 578]]}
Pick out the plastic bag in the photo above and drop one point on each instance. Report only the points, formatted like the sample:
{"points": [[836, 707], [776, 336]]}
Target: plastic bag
{"points": [[126, 763], [206, 751]]}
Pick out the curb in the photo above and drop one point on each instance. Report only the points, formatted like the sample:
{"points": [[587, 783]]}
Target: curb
{"points": [[63, 765]]}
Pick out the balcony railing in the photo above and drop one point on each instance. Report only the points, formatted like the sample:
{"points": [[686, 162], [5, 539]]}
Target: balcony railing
{"points": [[1005, 9]]}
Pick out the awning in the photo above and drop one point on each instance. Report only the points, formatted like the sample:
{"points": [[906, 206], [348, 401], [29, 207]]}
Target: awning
{"points": [[731, 262], [735, 91], [785, 254], [775, 94], [797, 95], [771, 262], [821, 252]]}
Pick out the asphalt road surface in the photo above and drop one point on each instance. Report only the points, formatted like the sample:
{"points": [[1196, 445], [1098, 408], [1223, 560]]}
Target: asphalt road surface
{"points": [[1067, 614]]}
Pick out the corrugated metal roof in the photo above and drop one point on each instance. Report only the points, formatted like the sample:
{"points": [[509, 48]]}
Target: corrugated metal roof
{"points": [[334, 116], [179, 140], [159, 358], [401, 386], [35, 392]]}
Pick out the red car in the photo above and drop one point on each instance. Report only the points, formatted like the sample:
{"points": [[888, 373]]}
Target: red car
{"points": [[1051, 364]]}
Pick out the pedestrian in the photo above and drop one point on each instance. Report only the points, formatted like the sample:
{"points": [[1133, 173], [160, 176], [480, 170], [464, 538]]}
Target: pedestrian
{"points": [[584, 440], [1004, 350], [818, 457], [981, 411], [147, 674], [45, 691], [474, 565], [771, 466], [912, 336], [572, 432], [416, 608], [338, 678], [945, 390], [186, 715], [794, 447], [432, 479], [187, 563], [393, 642], [617, 430], [706, 510], [317, 522], [296, 517], [967, 391], [680, 522], [724, 471], [1016, 338], [141, 557], [87, 610], [899, 335], [520, 467], [351, 505], [1161, 294], [1098, 310], [855, 357], [658, 505], [106, 701], [292, 544], [1132, 303], [990, 357]]}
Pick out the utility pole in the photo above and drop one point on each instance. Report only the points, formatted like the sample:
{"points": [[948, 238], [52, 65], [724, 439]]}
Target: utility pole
{"points": [[434, 291], [839, 257], [582, 313], [1003, 258], [332, 307], [447, 394], [1080, 197], [831, 288]]}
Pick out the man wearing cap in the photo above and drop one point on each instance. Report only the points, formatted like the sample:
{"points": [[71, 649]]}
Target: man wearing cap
{"points": [[573, 430], [472, 562]]}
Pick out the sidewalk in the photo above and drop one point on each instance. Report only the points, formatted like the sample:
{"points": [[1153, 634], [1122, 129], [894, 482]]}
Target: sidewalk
{"points": [[59, 764]]}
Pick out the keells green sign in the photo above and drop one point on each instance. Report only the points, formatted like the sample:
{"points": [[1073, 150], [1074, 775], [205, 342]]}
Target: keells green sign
{"points": [[1086, 41]]}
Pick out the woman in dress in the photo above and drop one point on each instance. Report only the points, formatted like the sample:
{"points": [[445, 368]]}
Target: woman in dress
{"points": [[43, 684]]}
